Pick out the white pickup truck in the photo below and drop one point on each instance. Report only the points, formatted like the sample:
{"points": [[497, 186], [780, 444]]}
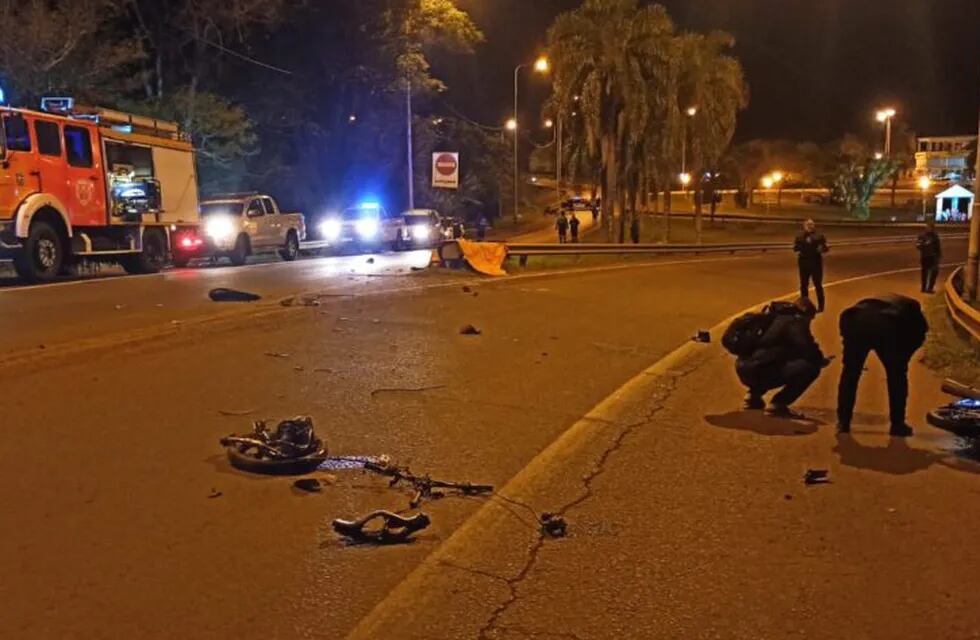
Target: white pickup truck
{"points": [[240, 225]]}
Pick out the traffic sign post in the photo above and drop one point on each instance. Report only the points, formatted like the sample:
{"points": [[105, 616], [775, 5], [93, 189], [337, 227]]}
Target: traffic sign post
{"points": [[445, 170]]}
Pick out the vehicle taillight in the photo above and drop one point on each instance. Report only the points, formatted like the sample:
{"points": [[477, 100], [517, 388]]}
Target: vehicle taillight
{"points": [[189, 241]]}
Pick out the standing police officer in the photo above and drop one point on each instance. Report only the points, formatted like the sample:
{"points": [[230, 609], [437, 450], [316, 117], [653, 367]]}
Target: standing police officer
{"points": [[810, 247], [894, 328], [931, 253]]}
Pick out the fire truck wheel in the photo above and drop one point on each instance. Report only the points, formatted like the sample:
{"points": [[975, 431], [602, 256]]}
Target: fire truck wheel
{"points": [[152, 258], [239, 254], [290, 251], [42, 256]]}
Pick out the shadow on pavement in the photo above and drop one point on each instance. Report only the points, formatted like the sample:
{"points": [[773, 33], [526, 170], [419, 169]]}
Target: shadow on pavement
{"points": [[760, 423], [898, 458]]}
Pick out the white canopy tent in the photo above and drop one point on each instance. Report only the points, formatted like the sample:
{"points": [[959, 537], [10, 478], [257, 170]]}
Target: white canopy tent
{"points": [[954, 205]]}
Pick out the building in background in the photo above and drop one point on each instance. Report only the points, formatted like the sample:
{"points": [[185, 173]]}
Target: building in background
{"points": [[944, 157]]}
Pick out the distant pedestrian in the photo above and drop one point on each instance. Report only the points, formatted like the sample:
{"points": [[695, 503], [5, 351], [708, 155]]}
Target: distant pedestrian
{"points": [[562, 226], [595, 210], [810, 247], [573, 224], [635, 229], [481, 228], [776, 348], [930, 254], [894, 328]]}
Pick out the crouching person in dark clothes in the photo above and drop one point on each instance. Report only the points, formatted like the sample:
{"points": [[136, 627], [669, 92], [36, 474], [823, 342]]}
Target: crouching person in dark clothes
{"points": [[786, 355], [894, 328]]}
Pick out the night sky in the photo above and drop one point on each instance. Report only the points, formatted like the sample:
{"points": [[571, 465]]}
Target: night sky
{"points": [[816, 68]]}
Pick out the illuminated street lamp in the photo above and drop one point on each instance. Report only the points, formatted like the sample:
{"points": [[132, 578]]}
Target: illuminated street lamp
{"points": [[924, 183], [767, 183], [541, 65], [685, 178], [549, 123], [879, 155], [511, 124], [777, 177], [885, 117]]}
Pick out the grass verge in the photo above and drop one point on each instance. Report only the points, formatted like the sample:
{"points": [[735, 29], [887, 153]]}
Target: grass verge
{"points": [[946, 351]]}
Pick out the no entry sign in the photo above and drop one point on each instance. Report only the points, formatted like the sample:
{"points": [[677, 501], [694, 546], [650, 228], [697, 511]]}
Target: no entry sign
{"points": [[445, 170]]}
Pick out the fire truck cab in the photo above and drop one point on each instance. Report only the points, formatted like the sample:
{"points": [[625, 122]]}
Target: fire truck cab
{"points": [[79, 183]]}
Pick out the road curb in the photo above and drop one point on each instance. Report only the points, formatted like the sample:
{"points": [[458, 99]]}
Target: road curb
{"points": [[557, 473]]}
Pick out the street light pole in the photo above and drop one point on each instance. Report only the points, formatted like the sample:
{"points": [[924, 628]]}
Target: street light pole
{"points": [[411, 145], [558, 158], [517, 184], [885, 117]]}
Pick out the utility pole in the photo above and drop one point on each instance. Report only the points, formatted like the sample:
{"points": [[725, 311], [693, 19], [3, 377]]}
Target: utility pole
{"points": [[558, 159], [517, 176], [973, 257], [411, 145]]}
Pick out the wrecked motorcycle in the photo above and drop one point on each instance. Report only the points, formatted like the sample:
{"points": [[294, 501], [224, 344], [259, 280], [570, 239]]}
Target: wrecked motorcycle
{"points": [[292, 448]]}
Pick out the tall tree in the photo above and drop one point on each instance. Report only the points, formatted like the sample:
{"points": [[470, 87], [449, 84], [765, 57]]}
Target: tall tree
{"points": [[607, 52], [713, 82], [68, 48]]}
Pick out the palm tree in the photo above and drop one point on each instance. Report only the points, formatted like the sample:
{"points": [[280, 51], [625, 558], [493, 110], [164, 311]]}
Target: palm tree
{"points": [[611, 54], [713, 82]]}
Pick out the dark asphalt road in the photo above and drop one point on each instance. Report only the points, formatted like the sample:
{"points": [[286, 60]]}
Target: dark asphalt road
{"points": [[111, 453]]}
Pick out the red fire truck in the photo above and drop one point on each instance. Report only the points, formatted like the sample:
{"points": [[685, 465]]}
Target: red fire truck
{"points": [[79, 183]]}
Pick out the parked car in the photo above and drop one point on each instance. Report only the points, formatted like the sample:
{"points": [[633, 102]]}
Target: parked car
{"points": [[423, 229], [241, 225]]}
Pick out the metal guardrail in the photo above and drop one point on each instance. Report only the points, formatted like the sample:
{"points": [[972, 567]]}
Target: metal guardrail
{"points": [[960, 311], [861, 224], [524, 250]]}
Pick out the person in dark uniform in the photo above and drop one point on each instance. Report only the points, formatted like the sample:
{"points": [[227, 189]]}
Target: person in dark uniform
{"points": [[786, 356], [930, 254], [810, 247], [481, 228], [596, 207], [562, 226], [894, 328], [635, 229], [573, 224]]}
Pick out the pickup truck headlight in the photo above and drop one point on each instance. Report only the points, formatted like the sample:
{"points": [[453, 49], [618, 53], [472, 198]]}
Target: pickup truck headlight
{"points": [[220, 228], [421, 232], [367, 228], [330, 229]]}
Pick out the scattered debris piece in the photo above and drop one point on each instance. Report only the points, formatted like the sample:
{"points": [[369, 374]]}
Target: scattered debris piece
{"points": [[395, 529], [291, 448], [299, 368], [214, 494], [222, 294], [347, 463], [553, 525], [276, 354], [467, 289], [787, 497], [816, 476], [703, 337], [119, 307], [370, 260], [309, 485], [476, 294], [309, 300], [424, 486], [418, 268], [470, 330], [378, 392], [236, 413]]}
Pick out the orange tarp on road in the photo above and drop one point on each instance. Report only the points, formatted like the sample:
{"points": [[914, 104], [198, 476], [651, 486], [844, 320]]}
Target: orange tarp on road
{"points": [[485, 257]]}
